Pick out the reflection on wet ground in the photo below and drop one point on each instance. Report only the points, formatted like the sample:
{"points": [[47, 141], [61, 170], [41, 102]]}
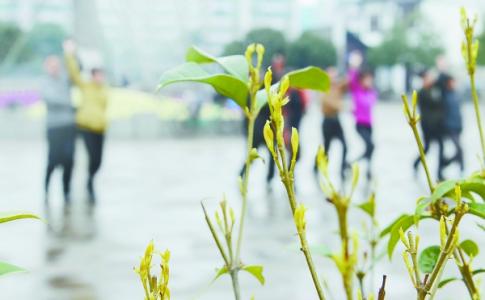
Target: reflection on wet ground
{"points": [[76, 223], [151, 189]]}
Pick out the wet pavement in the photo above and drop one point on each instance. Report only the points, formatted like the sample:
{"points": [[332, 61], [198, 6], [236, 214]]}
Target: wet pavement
{"points": [[152, 188]]}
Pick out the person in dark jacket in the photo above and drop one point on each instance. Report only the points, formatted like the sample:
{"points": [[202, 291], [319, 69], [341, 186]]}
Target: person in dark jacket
{"points": [[453, 122], [61, 129], [432, 111]]}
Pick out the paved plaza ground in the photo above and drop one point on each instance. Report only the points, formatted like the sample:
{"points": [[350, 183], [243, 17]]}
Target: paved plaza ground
{"points": [[150, 189]]}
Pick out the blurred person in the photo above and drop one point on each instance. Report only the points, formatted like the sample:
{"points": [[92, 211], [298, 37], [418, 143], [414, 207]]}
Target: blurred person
{"points": [[61, 129], [432, 112], [453, 122], [332, 105], [294, 112], [364, 98], [91, 115]]}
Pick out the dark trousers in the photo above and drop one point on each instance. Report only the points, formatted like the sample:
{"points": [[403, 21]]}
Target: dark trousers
{"points": [[94, 145], [365, 132], [454, 136], [61, 142], [332, 130], [428, 138]]}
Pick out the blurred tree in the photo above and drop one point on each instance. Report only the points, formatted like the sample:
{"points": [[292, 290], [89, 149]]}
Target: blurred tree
{"points": [[44, 39], [273, 40], [310, 49], [233, 48], [417, 46], [9, 34]]}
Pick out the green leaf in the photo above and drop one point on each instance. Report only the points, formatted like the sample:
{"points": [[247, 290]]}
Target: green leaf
{"points": [[442, 189], [388, 228], [470, 248], [6, 268], [226, 85], [477, 209], [474, 185], [12, 216], [446, 281], [428, 258], [478, 271], [235, 64], [369, 206], [309, 78], [256, 271], [220, 272], [421, 206], [404, 223]]}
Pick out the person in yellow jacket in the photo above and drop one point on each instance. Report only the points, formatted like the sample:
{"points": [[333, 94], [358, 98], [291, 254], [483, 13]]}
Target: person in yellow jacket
{"points": [[91, 114]]}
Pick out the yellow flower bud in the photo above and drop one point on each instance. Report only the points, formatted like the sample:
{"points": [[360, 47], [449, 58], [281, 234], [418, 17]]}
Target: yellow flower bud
{"points": [[295, 141], [299, 218], [284, 86], [269, 137], [249, 53], [403, 238], [260, 53], [268, 79]]}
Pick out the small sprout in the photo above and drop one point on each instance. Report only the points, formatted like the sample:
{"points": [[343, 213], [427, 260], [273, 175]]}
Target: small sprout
{"points": [[409, 266], [269, 137], [268, 79], [443, 235], [253, 155], [322, 160], [300, 218], [249, 54], [295, 141], [155, 288], [283, 88], [219, 221], [260, 53], [355, 176], [414, 102]]}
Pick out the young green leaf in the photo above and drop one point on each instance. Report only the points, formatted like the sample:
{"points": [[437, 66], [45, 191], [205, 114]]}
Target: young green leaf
{"points": [[388, 228], [428, 258], [470, 248], [12, 216], [446, 281], [256, 271], [442, 189], [235, 64], [226, 85], [369, 206], [6, 268], [422, 204], [310, 78], [477, 209], [220, 272]]}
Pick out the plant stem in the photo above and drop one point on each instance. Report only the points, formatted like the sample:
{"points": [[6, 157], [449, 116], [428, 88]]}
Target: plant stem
{"points": [[288, 183], [235, 283], [382, 290], [442, 259], [245, 182], [216, 238], [475, 100], [422, 155]]}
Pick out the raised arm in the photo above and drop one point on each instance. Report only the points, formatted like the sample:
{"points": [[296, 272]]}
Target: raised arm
{"points": [[72, 64]]}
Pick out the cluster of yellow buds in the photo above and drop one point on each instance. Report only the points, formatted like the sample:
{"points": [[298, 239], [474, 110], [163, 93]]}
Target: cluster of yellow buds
{"points": [[411, 243], [156, 288], [469, 47], [226, 224], [254, 69]]}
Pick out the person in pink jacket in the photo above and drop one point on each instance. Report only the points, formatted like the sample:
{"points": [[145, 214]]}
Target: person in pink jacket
{"points": [[364, 98]]}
